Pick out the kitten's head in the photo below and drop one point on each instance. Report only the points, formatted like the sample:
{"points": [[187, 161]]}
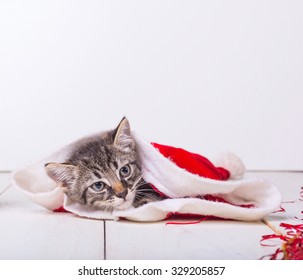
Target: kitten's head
{"points": [[102, 172]]}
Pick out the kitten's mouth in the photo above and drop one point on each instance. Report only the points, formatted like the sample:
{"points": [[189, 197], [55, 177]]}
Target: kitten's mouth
{"points": [[124, 205]]}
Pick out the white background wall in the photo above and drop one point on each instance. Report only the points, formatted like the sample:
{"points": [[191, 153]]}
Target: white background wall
{"points": [[204, 75]]}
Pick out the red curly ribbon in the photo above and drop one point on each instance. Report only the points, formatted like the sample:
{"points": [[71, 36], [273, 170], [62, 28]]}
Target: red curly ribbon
{"points": [[292, 248], [280, 210], [270, 237], [274, 256]]}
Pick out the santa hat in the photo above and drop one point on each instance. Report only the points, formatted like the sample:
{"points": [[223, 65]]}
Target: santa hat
{"points": [[192, 184]]}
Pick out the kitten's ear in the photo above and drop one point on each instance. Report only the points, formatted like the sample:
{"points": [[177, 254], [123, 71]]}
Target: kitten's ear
{"points": [[62, 173], [122, 136]]}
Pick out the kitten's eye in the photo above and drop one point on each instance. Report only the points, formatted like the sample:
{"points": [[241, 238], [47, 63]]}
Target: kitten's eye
{"points": [[98, 186], [125, 171]]}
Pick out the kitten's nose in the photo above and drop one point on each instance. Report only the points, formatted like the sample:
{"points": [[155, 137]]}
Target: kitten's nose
{"points": [[122, 194]]}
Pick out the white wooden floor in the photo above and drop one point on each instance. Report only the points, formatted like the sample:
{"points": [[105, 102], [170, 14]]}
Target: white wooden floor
{"points": [[31, 232]]}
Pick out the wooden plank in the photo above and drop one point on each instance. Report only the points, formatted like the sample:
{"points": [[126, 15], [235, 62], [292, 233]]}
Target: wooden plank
{"points": [[207, 240], [31, 232]]}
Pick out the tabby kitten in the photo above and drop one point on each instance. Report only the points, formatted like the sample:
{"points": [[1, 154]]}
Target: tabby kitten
{"points": [[104, 172]]}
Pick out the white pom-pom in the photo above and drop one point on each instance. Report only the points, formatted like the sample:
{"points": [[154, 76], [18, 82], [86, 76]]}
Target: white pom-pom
{"points": [[232, 163]]}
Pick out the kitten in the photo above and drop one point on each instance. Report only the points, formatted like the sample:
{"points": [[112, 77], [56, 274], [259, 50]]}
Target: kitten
{"points": [[104, 172]]}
